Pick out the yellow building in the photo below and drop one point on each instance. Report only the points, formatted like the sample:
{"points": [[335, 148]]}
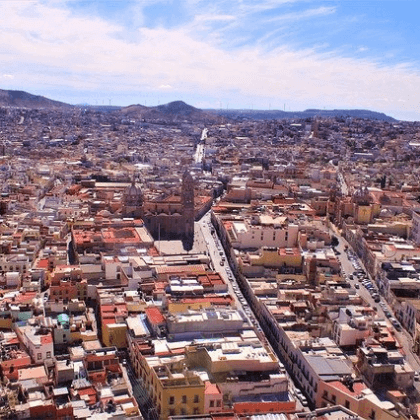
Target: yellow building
{"points": [[84, 335], [184, 305], [277, 257], [6, 322], [175, 390], [114, 335], [363, 214]]}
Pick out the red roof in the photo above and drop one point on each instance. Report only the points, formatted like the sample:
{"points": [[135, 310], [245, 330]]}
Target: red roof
{"points": [[90, 392], [43, 263], [46, 339], [154, 315], [358, 387], [25, 297], [211, 389]]}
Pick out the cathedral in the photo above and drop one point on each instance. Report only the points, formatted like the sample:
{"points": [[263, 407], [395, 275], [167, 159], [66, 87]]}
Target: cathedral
{"points": [[170, 217]]}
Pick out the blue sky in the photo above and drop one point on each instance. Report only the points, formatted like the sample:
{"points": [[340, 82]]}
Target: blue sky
{"points": [[277, 54]]}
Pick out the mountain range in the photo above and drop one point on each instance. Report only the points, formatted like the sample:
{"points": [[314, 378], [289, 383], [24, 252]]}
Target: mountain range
{"points": [[180, 111], [308, 113]]}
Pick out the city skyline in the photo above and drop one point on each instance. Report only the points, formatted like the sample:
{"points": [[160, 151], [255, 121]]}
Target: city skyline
{"points": [[290, 55]]}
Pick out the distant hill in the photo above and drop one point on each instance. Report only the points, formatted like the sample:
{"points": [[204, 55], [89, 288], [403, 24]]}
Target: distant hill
{"points": [[177, 111], [277, 114], [21, 99], [179, 108]]}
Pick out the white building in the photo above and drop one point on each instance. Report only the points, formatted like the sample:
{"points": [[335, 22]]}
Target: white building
{"points": [[351, 327], [269, 232], [415, 230], [206, 320], [38, 341]]}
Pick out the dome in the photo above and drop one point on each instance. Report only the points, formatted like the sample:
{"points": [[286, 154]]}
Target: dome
{"points": [[362, 196], [133, 195], [132, 190], [104, 213], [386, 213]]}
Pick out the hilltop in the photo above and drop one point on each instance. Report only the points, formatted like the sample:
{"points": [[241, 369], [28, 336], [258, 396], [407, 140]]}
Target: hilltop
{"points": [[176, 111], [21, 99]]}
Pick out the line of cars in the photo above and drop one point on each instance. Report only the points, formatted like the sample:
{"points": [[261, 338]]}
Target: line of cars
{"points": [[362, 277], [388, 314], [371, 289], [301, 397]]}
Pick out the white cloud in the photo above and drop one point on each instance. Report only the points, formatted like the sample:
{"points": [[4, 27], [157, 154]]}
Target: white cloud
{"points": [[47, 45], [305, 14], [7, 76], [214, 18]]}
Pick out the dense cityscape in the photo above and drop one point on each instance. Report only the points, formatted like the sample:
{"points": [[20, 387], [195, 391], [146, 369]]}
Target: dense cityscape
{"points": [[174, 263]]}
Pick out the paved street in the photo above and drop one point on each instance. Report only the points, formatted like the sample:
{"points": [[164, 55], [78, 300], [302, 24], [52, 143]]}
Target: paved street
{"points": [[219, 261], [143, 400], [348, 268]]}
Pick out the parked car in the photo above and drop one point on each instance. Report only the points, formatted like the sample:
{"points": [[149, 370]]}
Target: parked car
{"points": [[301, 397], [395, 324]]}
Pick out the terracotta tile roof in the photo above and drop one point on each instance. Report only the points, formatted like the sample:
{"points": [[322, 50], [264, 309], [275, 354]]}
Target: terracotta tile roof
{"points": [[155, 315], [358, 387]]}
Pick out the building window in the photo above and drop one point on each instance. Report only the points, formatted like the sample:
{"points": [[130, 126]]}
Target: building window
{"points": [[184, 399], [347, 404], [48, 355], [39, 356], [183, 411], [333, 398], [196, 398], [211, 403], [219, 403], [196, 411], [171, 412], [171, 400]]}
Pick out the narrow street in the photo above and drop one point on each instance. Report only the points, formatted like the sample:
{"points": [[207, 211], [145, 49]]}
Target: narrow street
{"points": [[146, 406], [220, 263], [348, 267]]}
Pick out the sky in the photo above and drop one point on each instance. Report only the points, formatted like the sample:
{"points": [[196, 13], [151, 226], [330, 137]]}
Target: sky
{"points": [[248, 54]]}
